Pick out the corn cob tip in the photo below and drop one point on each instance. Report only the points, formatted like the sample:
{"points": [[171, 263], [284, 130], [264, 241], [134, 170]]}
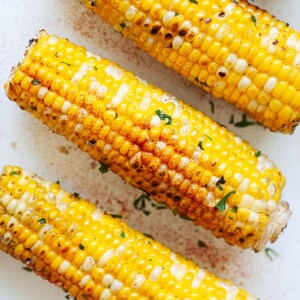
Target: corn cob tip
{"points": [[277, 224]]}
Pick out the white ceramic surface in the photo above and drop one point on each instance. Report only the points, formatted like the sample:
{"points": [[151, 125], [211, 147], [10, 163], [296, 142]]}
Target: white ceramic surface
{"points": [[26, 142]]}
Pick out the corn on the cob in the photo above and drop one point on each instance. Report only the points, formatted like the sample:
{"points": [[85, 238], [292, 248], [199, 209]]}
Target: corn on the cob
{"points": [[232, 49], [153, 141], [89, 253]]}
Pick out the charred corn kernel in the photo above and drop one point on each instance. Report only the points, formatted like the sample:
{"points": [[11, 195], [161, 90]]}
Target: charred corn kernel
{"points": [[204, 30], [106, 266], [154, 141]]}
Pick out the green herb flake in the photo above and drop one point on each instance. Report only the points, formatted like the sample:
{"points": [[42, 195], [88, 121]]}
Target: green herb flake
{"points": [[258, 154], [231, 121], [150, 259], [35, 82], [212, 107], [95, 68], [219, 182], [116, 216], [81, 247], [201, 244], [200, 146], [67, 297], [244, 122], [208, 137], [184, 217], [235, 1], [194, 1], [253, 19], [176, 14], [222, 203], [27, 269], [149, 236], [57, 182], [93, 3], [13, 173], [122, 234], [76, 195], [63, 62], [103, 169], [271, 253], [123, 25], [84, 296], [234, 209], [164, 116], [287, 24], [42, 221], [32, 108]]}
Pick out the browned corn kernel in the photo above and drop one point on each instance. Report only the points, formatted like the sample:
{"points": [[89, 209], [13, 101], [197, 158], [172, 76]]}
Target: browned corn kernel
{"points": [[152, 140]]}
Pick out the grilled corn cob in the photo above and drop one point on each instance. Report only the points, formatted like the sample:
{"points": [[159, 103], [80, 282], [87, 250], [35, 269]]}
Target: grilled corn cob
{"points": [[153, 141], [89, 253], [232, 49]]}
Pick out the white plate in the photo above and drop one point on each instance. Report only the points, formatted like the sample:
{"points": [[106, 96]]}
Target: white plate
{"points": [[26, 142]]}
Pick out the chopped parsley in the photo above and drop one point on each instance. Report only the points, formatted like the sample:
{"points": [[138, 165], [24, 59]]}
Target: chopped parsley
{"points": [[222, 203], [81, 247], [208, 137], [270, 253], [122, 234], [212, 107], [27, 269], [234, 209], [231, 121], [244, 122], [95, 68], [287, 24], [200, 145], [194, 1], [103, 169], [116, 216], [219, 182], [176, 14], [32, 108], [236, 1], [201, 244], [149, 236], [76, 195], [35, 82], [13, 173], [141, 202], [164, 116], [67, 297], [258, 154], [184, 217], [123, 25], [57, 182], [63, 62], [93, 3], [42, 221], [253, 19]]}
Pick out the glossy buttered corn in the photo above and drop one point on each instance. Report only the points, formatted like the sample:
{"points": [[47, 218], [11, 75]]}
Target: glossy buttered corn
{"points": [[232, 49], [90, 254], [153, 141]]}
